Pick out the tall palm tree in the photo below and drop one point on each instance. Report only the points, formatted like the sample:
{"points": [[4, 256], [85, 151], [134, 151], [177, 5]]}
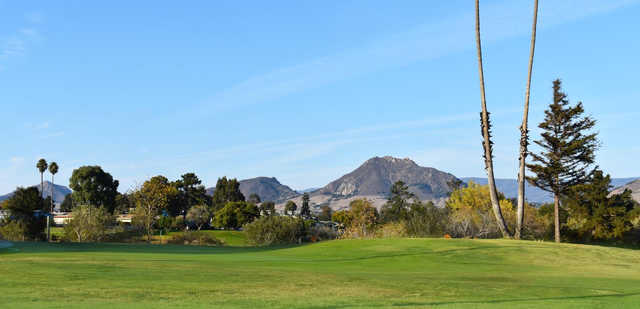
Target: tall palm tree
{"points": [[42, 167], [486, 134], [524, 131], [53, 169]]}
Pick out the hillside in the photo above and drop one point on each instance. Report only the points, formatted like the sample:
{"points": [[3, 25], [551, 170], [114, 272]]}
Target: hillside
{"points": [[59, 192], [634, 186], [509, 187], [373, 180], [380, 273], [268, 188]]}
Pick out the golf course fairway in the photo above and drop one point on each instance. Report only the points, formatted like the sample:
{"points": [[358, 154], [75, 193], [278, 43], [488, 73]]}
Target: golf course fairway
{"points": [[380, 273]]}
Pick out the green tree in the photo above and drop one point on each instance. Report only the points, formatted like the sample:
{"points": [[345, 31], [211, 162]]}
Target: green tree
{"points": [[93, 186], [227, 190], [236, 214], [485, 127], [67, 204], [199, 215], [268, 208], [568, 150], [397, 206], [254, 198], [305, 210], [124, 203], [593, 214], [89, 224], [290, 208], [325, 213], [152, 197], [192, 193], [524, 130], [26, 210]]}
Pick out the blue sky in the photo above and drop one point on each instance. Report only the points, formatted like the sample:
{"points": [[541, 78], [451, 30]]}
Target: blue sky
{"points": [[301, 90]]}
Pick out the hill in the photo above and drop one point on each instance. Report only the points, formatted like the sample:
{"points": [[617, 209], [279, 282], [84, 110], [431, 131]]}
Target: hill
{"points": [[59, 192], [373, 180], [509, 187], [634, 186], [379, 273], [268, 188]]}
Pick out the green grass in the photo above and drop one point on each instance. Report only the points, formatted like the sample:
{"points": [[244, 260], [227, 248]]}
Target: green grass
{"points": [[406, 273]]}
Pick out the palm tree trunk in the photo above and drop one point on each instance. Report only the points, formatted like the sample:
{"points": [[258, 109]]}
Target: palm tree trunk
{"points": [[488, 156], [524, 131]]}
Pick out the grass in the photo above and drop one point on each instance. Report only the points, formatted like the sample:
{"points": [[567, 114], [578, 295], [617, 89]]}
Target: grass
{"points": [[386, 273]]}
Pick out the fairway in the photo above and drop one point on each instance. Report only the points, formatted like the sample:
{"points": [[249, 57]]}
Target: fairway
{"points": [[423, 273]]}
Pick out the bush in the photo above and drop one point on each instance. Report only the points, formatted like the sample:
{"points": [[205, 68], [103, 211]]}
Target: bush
{"points": [[320, 232], [274, 230], [89, 224], [392, 230], [13, 230], [195, 238], [425, 219]]}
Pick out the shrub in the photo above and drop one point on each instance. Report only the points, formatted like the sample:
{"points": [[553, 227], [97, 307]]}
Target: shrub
{"points": [[320, 232], [89, 224], [425, 219], [13, 230], [274, 230], [392, 230], [195, 238]]}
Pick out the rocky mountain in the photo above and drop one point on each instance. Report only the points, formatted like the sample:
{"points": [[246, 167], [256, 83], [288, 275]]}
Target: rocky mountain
{"points": [[373, 180], [59, 192], [634, 186], [509, 187], [376, 176], [268, 188]]}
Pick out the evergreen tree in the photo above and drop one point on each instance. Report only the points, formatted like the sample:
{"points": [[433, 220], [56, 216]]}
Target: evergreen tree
{"points": [[305, 210], [397, 206], [227, 190], [568, 150], [290, 208], [595, 215]]}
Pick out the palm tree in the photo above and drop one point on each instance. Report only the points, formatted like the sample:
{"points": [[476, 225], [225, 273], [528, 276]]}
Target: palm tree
{"points": [[53, 169], [486, 134], [42, 167], [524, 131]]}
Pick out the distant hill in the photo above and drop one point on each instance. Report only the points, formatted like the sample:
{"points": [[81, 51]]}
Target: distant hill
{"points": [[509, 187], [59, 192], [268, 188], [634, 186]]}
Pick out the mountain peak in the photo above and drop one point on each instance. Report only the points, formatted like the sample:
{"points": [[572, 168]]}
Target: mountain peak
{"points": [[376, 176]]}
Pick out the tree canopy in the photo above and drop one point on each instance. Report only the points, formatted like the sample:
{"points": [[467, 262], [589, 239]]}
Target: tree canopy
{"points": [[93, 186]]}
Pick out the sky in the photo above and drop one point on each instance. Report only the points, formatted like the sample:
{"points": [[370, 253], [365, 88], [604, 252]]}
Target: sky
{"points": [[304, 91]]}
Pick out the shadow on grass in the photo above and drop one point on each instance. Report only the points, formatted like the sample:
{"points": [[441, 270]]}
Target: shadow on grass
{"points": [[44, 247]]}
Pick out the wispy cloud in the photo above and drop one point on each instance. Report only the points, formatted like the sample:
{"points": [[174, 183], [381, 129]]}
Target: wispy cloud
{"points": [[17, 43], [425, 42]]}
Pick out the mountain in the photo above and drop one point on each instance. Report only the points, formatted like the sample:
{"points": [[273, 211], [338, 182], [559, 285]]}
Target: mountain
{"points": [[59, 192], [509, 187], [376, 176], [634, 186], [373, 180], [268, 188]]}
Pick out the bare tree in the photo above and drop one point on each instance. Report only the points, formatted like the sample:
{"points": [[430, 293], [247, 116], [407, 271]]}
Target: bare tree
{"points": [[486, 134], [524, 131]]}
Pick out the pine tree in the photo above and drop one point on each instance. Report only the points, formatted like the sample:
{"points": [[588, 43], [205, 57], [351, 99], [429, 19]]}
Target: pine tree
{"points": [[305, 210], [568, 150]]}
